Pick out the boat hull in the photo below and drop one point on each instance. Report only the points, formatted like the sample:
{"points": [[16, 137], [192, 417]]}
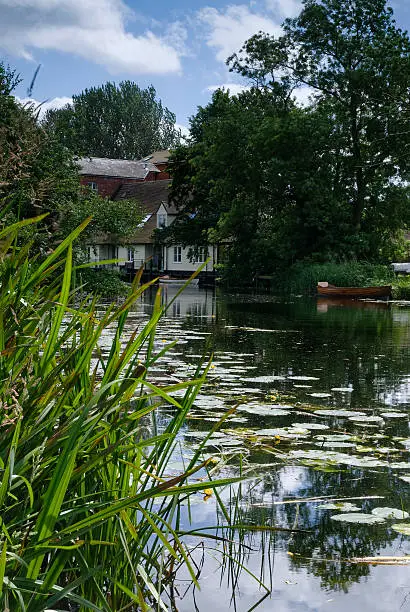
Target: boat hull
{"points": [[355, 292]]}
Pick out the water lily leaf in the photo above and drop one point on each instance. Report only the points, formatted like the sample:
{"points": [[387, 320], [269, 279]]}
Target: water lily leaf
{"points": [[320, 395], [394, 415], [310, 425], [338, 413], [358, 517], [390, 513], [403, 528], [265, 379], [367, 419], [343, 506], [405, 478], [303, 378], [343, 389]]}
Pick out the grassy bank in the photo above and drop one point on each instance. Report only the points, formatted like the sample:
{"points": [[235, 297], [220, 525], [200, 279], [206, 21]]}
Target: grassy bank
{"points": [[303, 277], [90, 516]]}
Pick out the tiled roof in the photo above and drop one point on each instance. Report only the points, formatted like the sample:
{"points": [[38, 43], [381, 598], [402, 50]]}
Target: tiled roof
{"points": [[150, 194], [158, 157], [122, 168]]}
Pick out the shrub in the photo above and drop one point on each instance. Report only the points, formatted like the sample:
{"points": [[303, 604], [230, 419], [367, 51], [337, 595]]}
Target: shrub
{"points": [[104, 282], [303, 277], [89, 515]]}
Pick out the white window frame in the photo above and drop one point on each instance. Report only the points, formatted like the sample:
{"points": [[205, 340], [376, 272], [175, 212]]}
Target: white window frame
{"points": [[161, 220], [93, 186], [202, 255], [177, 254]]}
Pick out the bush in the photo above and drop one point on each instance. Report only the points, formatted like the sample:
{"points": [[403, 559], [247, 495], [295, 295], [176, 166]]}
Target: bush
{"points": [[303, 277], [401, 288], [103, 282]]}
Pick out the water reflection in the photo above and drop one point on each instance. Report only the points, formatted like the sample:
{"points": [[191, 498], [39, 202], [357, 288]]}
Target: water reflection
{"points": [[306, 356]]}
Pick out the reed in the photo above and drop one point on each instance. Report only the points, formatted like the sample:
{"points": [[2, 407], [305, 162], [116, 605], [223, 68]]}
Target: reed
{"points": [[90, 518]]}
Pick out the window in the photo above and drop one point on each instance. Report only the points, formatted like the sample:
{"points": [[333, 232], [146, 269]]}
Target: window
{"points": [[161, 220], [202, 255], [177, 254], [131, 254], [93, 186]]}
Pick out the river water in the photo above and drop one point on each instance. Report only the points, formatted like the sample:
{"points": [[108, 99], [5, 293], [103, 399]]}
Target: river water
{"points": [[323, 396]]}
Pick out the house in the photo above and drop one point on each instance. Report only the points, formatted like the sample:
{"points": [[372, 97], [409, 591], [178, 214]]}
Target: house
{"points": [[142, 248], [106, 176], [160, 160], [161, 212]]}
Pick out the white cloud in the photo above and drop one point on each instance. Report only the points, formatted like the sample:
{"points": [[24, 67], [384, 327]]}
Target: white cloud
{"points": [[234, 88], [92, 29], [303, 95], [184, 130], [285, 8], [228, 29], [43, 107]]}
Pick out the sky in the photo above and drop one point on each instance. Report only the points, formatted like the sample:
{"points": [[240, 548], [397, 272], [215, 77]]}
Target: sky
{"points": [[179, 46]]}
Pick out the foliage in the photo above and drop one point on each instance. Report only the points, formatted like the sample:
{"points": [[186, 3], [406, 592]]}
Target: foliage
{"points": [[280, 183], [401, 288], [89, 515], [103, 282], [116, 121], [39, 175], [303, 277]]}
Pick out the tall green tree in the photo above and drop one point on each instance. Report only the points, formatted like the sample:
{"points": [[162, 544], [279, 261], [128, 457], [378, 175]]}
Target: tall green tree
{"points": [[357, 62], [38, 174], [115, 121]]}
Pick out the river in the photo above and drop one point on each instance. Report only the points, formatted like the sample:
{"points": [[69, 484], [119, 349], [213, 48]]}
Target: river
{"points": [[323, 395]]}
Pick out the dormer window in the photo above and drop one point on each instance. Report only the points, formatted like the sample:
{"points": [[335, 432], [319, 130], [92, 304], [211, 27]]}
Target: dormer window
{"points": [[161, 220]]}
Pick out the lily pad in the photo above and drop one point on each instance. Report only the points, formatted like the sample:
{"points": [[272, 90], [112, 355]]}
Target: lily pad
{"points": [[394, 415], [320, 395], [311, 425], [405, 478], [358, 517], [390, 513], [339, 413], [367, 419], [343, 389], [264, 379], [264, 410], [303, 378], [343, 506], [403, 528]]}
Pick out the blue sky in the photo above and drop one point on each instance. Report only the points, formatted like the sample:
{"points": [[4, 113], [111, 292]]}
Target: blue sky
{"points": [[179, 46]]}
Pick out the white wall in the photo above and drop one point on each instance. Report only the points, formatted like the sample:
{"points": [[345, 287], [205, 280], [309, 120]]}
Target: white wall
{"points": [[186, 265]]}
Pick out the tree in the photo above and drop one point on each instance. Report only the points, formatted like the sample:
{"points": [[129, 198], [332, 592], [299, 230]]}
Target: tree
{"points": [[39, 175], [354, 57], [118, 122]]}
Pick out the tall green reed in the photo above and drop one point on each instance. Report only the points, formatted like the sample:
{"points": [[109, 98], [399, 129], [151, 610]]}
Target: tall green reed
{"points": [[89, 516]]}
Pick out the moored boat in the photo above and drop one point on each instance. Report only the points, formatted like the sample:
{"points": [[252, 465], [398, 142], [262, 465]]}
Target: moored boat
{"points": [[328, 290]]}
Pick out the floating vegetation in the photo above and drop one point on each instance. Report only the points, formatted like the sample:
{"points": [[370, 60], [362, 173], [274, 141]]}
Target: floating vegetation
{"points": [[303, 378], [358, 517], [265, 379], [403, 528], [343, 389], [342, 506], [390, 513], [320, 395], [366, 419], [339, 413]]}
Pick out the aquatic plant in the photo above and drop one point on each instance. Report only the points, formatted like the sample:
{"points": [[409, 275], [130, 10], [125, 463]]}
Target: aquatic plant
{"points": [[90, 517]]}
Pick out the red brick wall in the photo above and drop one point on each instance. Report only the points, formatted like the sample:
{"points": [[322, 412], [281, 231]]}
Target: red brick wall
{"points": [[107, 186]]}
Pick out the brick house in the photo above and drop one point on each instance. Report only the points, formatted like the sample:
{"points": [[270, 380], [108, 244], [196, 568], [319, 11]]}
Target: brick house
{"points": [[106, 176]]}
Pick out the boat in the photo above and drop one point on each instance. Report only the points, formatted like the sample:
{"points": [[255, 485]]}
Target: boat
{"points": [[328, 290], [178, 282]]}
